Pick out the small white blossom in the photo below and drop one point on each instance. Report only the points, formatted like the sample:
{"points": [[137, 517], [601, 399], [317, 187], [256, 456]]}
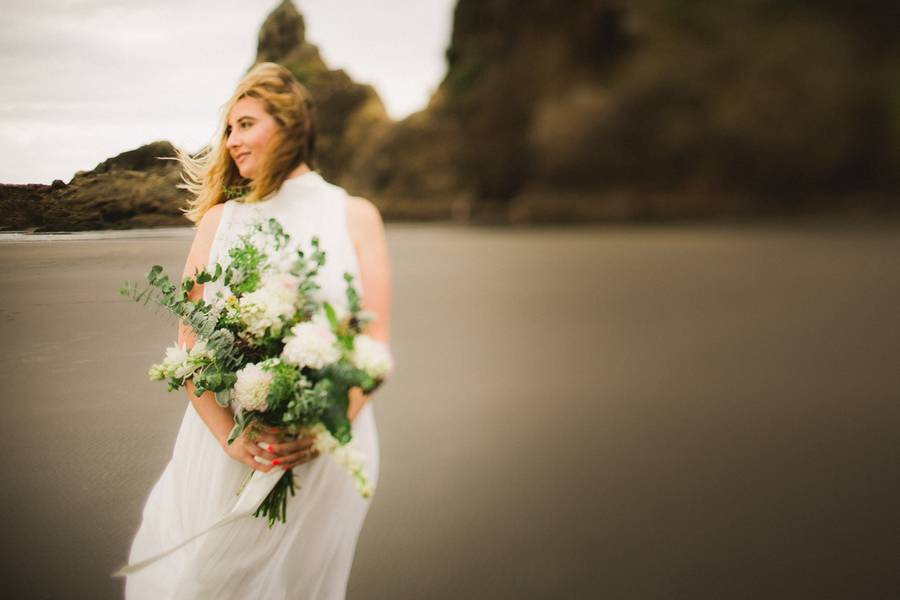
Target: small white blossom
{"points": [[219, 305], [262, 241], [181, 362], [252, 387], [176, 354], [346, 456], [372, 356], [283, 260], [201, 350], [311, 345], [271, 304]]}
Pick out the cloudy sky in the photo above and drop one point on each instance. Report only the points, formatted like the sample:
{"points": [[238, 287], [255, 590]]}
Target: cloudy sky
{"points": [[84, 80]]}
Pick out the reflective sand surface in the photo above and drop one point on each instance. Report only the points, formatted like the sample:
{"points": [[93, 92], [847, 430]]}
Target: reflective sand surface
{"points": [[685, 411]]}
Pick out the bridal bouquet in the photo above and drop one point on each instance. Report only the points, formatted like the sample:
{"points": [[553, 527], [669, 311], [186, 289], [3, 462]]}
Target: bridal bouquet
{"points": [[271, 350]]}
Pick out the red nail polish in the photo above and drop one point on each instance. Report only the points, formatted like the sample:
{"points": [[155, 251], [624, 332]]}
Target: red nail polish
{"points": [[276, 462], [269, 448]]}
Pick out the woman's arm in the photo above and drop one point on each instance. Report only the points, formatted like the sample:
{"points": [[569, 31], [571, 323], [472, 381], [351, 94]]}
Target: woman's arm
{"points": [[218, 419], [367, 232]]}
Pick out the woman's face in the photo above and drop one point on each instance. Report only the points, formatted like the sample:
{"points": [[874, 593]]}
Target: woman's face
{"points": [[248, 133]]}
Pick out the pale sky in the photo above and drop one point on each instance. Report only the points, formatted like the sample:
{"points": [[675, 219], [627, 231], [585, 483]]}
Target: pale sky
{"points": [[83, 80]]}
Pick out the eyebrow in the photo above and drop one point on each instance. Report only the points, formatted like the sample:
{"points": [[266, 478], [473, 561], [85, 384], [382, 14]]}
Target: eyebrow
{"points": [[242, 117]]}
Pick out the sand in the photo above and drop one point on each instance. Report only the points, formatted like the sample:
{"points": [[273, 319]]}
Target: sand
{"points": [[678, 411]]}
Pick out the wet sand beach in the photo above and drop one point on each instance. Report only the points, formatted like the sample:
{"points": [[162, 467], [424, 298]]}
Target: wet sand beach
{"points": [[622, 411]]}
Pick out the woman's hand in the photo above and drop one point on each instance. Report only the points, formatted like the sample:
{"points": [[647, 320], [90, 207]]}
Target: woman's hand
{"points": [[247, 447], [292, 452], [265, 448]]}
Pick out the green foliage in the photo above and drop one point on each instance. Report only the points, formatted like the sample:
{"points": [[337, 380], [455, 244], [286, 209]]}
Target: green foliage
{"points": [[309, 404], [286, 383], [337, 422], [274, 507], [296, 397], [242, 274], [234, 191], [213, 378], [353, 299], [196, 315], [241, 420]]}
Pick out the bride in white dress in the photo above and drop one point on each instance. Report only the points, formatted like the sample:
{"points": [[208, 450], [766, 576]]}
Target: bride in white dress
{"points": [[267, 146]]}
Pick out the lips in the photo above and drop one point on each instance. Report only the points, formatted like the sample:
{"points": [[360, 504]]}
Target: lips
{"points": [[241, 156]]}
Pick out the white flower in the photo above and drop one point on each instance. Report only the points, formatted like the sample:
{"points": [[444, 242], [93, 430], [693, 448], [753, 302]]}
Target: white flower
{"points": [[252, 387], [185, 369], [157, 372], [176, 354], [262, 241], [200, 350], [346, 456], [271, 304], [372, 356], [283, 260], [311, 345], [180, 362], [219, 305]]}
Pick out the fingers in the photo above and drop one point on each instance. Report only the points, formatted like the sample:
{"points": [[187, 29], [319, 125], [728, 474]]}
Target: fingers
{"points": [[260, 449], [258, 464], [256, 457], [298, 458], [269, 450], [291, 446]]}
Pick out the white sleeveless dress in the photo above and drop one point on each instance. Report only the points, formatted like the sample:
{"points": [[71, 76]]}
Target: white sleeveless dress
{"points": [[310, 556]]}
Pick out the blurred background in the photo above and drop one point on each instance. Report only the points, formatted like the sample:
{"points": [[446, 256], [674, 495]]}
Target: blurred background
{"points": [[645, 273], [500, 112]]}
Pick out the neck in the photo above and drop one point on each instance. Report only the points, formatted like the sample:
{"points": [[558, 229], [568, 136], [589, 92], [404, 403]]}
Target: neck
{"points": [[300, 170]]}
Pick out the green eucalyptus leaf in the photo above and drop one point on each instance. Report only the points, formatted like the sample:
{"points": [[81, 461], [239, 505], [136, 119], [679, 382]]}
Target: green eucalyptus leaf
{"points": [[332, 316], [223, 398], [235, 432]]}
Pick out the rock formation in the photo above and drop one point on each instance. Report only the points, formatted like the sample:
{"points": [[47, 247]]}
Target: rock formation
{"points": [[134, 189], [588, 109], [348, 115]]}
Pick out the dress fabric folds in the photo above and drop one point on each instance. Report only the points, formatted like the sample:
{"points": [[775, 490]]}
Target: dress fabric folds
{"points": [[310, 556]]}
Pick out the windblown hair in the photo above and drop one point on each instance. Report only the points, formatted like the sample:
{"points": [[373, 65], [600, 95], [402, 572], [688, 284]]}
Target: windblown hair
{"points": [[213, 177]]}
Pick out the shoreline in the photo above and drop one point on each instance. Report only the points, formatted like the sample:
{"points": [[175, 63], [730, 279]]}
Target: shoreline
{"points": [[865, 220]]}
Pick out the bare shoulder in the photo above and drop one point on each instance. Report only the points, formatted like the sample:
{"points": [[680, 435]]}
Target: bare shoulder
{"points": [[204, 232], [211, 217], [363, 219]]}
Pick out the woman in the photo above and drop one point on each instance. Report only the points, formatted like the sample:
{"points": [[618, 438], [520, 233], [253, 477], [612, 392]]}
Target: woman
{"points": [[267, 149]]}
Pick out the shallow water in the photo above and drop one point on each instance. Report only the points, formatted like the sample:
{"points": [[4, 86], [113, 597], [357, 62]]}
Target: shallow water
{"points": [[691, 411]]}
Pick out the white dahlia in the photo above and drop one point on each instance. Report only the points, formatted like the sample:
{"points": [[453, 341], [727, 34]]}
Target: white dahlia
{"points": [[372, 356], [252, 387], [271, 304], [311, 345]]}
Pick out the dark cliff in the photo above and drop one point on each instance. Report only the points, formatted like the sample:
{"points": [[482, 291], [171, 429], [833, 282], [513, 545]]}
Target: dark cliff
{"points": [[589, 109]]}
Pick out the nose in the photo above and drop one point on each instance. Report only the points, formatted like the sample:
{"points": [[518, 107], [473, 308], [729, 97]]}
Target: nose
{"points": [[232, 141]]}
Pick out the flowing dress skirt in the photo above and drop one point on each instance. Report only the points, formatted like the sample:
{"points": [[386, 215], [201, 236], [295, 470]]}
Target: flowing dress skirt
{"points": [[309, 557]]}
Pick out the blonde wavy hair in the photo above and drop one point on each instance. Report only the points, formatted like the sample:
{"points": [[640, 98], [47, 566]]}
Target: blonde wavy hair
{"points": [[211, 175]]}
